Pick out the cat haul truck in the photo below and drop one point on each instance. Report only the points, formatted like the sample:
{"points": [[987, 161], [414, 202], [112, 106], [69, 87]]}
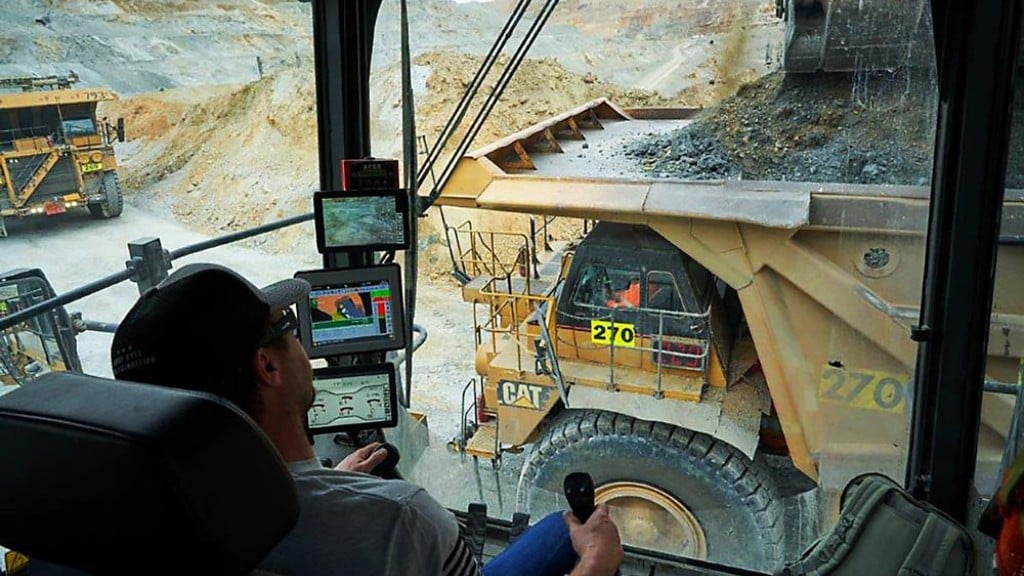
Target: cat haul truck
{"points": [[700, 332], [55, 153]]}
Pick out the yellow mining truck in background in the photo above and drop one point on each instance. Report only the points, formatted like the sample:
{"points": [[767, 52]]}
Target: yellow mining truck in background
{"points": [[700, 329], [55, 154]]}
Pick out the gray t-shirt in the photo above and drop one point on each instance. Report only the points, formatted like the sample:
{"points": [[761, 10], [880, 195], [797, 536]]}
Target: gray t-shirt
{"points": [[352, 523]]}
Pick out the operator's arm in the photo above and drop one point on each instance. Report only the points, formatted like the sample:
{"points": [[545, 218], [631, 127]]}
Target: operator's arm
{"points": [[596, 543]]}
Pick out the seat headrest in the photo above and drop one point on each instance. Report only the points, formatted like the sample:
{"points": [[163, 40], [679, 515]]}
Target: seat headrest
{"points": [[116, 477]]}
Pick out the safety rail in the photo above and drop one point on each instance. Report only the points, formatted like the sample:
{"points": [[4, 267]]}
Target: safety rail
{"points": [[507, 311], [140, 269], [476, 389], [540, 237], [10, 135], [464, 414], [700, 324], [503, 309], [29, 83], [477, 252]]}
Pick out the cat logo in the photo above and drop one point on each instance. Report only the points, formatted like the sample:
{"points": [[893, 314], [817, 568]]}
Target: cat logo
{"points": [[521, 395]]}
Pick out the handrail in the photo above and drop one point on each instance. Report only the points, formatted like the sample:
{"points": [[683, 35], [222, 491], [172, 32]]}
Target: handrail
{"points": [[23, 133], [556, 372], [127, 274], [503, 320], [465, 416], [241, 235], [481, 256]]}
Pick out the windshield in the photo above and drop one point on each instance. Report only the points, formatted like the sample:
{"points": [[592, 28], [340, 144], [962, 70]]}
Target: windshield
{"points": [[767, 299], [31, 348], [682, 253], [78, 127]]}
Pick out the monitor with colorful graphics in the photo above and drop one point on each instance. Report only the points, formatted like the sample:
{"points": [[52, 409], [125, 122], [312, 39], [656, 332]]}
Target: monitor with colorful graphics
{"points": [[352, 310]]}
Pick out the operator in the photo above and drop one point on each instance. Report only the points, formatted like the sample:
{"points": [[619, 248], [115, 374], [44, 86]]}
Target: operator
{"points": [[206, 328], [627, 298]]}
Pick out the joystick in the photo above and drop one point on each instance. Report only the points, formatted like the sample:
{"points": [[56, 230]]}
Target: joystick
{"points": [[579, 491], [386, 469]]}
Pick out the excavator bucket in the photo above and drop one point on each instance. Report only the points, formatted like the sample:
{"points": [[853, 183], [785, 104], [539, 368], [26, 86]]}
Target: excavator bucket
{"points": [[854, 35]]}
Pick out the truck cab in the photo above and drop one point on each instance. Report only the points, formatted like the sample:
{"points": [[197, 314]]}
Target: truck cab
{"points": [[56, 153]]}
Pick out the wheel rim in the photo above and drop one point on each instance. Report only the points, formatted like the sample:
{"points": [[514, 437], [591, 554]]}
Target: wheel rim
{"points": [[648, 517]]}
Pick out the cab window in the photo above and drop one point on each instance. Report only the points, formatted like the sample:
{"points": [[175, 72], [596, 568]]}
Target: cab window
{"points": [[603, 287], [78, 127], [663, 292]]}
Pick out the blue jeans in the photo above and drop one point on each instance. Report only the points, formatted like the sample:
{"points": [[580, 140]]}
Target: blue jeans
{"points": [[542, 550]]}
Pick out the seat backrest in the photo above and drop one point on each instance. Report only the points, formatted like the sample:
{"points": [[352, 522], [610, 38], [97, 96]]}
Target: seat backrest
{"points": [[115, 477]]}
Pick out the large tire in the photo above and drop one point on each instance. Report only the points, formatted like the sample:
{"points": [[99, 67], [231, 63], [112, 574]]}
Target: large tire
{"points": [[732, 500], [113, 202]]}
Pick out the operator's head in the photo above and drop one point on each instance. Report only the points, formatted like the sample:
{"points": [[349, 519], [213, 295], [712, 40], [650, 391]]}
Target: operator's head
{"points": [[206, 328]]}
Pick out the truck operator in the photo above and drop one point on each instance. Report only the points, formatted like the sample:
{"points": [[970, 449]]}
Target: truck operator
{"points": [[206, 328]]}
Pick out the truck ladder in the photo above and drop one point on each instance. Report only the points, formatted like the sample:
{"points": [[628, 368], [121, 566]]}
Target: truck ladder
{"points": [[37, 178]]}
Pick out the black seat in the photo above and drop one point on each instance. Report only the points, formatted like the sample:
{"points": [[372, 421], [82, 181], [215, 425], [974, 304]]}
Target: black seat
{"points": [[114, 477]]}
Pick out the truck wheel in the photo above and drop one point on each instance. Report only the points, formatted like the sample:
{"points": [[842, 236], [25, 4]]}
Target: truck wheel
{"points": [[113, 202], [667, 488]]}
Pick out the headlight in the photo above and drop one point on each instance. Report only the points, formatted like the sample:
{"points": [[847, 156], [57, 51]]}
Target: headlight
{"points": [[97, 156]]}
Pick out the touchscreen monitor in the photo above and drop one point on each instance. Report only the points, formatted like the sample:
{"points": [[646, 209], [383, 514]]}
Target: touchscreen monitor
{"points": [[361, 220], [352, 310], [353, 397]]}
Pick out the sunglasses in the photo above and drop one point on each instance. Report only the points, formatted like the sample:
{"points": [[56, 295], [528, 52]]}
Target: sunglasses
{"points": [[287, 324]]}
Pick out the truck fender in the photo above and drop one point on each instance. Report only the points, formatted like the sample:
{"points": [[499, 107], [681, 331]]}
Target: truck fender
{"points": [[732, 416]]}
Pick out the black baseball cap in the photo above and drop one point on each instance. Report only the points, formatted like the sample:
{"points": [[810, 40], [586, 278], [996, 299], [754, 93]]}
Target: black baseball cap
{"points": [[198, 329]]}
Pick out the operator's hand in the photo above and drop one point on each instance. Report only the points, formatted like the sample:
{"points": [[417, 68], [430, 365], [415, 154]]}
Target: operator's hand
{"points": [[596, 543], [363, 460]]}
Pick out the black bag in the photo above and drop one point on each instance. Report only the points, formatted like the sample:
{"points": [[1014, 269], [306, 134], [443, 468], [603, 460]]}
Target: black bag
{"points": [[882, 530]]}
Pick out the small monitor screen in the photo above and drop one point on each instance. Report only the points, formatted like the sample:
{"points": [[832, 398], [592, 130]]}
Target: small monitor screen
{"points": [[361, 220], [352, 398], [354, 310]]}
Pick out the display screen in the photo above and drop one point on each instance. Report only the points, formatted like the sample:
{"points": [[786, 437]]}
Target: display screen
{"points": [[352, 310], [362, 221], [364, 399], [351, 313]]}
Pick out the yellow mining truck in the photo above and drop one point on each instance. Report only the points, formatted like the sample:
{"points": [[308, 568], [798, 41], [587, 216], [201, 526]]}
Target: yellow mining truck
{"points": [[700, 330], [55, 153]]}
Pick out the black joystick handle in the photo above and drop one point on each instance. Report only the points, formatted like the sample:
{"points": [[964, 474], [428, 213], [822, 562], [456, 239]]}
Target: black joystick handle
{"points": [[386, 469], [579, 491]]}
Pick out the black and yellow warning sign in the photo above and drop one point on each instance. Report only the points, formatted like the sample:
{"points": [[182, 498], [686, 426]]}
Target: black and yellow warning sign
{"points": [[621, 334]]}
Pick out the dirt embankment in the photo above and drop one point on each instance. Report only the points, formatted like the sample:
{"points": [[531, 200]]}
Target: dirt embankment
{"points": [[540, 89], [228, 158], [875, 128]]}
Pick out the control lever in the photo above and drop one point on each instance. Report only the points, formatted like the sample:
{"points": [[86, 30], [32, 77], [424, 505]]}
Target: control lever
{"points": [[579, 492], [386, 469]]}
